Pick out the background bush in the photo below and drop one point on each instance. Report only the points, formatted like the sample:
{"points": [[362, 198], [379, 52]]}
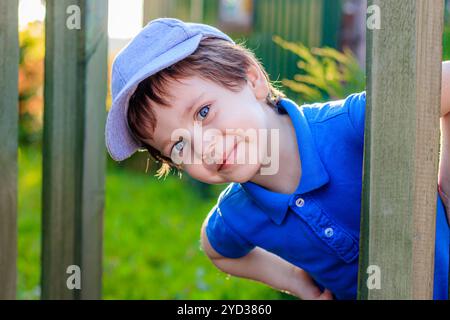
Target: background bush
{"points": [[31, 87], [324, 73]]}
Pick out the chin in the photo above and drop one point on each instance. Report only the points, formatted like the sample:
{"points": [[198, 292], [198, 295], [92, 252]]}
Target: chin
{"points": [[238, 173], [244, 173]]}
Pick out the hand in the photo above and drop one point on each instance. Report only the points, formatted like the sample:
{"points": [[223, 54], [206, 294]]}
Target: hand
{"points": [[303, 287], [326, 295]]}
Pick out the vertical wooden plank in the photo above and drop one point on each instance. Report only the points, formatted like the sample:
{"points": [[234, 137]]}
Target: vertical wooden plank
{"points": [[9, 63], [270, 15], [196, 11], [305, 15], [302, 22], [331, 20], [278, 13], [95, 89], [153, 9], [316, 23], [401, 149], [211, 11], [73, 153], [263, 23], [291, 25], [286, 35]]}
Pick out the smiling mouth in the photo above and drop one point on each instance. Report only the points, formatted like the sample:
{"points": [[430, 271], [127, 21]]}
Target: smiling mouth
{"points": [[224, 165]]}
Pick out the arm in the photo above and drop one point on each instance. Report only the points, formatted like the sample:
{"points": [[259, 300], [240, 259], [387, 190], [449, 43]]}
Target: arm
{"points": [[445, 96], [444, 167], [263, 266]]}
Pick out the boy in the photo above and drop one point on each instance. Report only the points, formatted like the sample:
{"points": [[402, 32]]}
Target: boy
{"points": [[290, 216]]}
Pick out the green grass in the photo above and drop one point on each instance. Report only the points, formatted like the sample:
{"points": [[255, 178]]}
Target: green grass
{"points": [[151, 239], [29, 223]]}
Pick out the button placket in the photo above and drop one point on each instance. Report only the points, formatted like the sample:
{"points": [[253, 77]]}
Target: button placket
{"points": [[339, 240]]}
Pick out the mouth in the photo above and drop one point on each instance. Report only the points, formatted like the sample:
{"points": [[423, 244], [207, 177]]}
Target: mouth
{"points": [[226, 159]]}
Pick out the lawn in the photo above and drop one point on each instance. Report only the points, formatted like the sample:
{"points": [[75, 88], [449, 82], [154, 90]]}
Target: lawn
{"points": [[151, 239]]}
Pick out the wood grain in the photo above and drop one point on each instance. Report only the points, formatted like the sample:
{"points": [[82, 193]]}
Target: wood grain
{"points": [[9, 64], [401, 149], [74, 155]]}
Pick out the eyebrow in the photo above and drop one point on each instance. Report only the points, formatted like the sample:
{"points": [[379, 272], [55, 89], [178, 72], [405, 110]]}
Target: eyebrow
{"points": [[192, 105], [187, 111]]}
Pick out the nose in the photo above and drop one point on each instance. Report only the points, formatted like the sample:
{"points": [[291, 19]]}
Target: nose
{"points": [[212, 151]]}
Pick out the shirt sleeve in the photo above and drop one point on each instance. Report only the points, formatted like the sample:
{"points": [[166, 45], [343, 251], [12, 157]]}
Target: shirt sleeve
{"points": [[223, 239], [356, 106]]}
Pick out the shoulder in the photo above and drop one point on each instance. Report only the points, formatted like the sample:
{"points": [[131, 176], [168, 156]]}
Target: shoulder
{"points": [[237, 208], [324, 111], [224, 224], [233, 189], [233, 202], [344, 118]]}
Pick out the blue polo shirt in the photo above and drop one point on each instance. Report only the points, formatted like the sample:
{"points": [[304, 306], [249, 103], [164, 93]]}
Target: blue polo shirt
{"points": [[317, 227]]}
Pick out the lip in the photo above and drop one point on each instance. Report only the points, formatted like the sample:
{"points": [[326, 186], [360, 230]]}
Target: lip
{"points": [[224, 165]]}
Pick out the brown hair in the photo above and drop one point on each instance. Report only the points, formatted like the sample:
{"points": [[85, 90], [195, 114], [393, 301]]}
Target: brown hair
{"points": [[215, 59]]}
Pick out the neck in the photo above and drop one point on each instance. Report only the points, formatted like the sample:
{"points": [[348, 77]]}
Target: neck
{"points": [[287, 178]]}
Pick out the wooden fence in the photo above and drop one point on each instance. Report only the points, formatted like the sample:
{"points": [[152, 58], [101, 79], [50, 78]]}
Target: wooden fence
{"points": [[401, 149], [74, 156], [400, 159], [9, 65]]}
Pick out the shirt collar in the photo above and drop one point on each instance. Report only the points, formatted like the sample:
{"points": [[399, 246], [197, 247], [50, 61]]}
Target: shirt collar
{"points": [[314, 174]]}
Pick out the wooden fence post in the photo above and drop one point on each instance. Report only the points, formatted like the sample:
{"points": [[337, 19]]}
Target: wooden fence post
{"points": [[9, 64], [74, 155], [401, 148]]}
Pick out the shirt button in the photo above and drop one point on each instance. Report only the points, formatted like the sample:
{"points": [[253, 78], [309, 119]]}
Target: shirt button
{"points": [[329, 232], [299, 202]]}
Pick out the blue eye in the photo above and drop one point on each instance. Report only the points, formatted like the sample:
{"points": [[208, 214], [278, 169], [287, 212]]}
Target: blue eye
{"points": [[203, 112], [178, 147]]}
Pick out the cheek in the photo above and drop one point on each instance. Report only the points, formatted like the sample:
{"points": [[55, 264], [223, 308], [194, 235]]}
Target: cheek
{"points": [[253, 143], [198, 172], [241, 114]]}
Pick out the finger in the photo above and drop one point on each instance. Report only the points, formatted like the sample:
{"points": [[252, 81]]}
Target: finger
{"points": [[326, 295]]}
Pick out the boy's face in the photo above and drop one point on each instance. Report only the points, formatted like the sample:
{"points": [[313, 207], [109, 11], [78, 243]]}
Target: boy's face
{"points": [[217, 139]]}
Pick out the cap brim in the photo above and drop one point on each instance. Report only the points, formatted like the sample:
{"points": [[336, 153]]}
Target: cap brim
{"points": [[119, 141]]}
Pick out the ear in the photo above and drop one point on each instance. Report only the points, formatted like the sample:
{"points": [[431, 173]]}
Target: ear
{"points": [[257, 81]]}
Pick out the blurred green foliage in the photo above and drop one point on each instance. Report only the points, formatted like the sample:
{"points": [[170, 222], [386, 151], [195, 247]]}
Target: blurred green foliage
{"points": [[31, 82], [151, 239], [325, 73]]}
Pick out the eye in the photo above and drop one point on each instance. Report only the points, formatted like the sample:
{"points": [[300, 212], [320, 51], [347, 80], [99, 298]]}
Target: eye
{"points": [[201, 115], [178, 147]]}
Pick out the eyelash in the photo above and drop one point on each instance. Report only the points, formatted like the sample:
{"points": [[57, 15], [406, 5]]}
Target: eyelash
{"points": [[181, 138]]}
